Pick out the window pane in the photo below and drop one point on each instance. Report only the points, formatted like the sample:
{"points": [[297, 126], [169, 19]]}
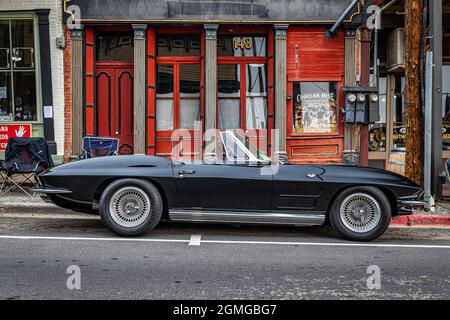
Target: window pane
{"points": [[164, 98], [114, 46], [229, 96], [189, 95], [4, 44], [256, 92], [446, 107], [5, 97], [25, 96], [241, 46], [399, 115], [22, 43], [179, 45], [315, 107], [377, 131]]}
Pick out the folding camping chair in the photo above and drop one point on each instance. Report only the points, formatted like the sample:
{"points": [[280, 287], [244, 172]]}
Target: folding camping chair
{"points": [[99, 147], [25, 158]]}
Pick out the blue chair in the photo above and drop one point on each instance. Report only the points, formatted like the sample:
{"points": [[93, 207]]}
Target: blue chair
{"points": [[94, 147]]}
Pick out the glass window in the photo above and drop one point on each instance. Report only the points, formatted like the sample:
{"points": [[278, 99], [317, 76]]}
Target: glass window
{"points": [[189, 96], [256, 96], [114, 46], [446, 107], [377, 130], [399, 115], [229, 96], [22, 43], [315, 107], [241, 46], [164, 98], [17, 70], [178, 45]]}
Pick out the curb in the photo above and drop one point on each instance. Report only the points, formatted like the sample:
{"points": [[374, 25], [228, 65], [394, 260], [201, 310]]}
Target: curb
{"points": [[421, 220]]}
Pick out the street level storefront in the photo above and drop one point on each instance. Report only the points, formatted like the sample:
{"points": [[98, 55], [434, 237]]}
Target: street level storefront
{"points": [[148, 74], [30, 101]]}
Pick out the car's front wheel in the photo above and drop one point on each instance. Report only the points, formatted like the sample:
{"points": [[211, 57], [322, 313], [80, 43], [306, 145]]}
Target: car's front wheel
{"points": [[131, 207], [360, 213]]}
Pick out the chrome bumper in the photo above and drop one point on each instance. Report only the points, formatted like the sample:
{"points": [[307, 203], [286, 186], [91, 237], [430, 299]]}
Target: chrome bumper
{"points": [[408, 203]]}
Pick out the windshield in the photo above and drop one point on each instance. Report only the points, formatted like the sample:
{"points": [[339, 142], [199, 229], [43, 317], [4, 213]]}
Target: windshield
{"points": [[253, 150]]}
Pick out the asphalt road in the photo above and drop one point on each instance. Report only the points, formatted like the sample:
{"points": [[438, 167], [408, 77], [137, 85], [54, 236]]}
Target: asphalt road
{"points": [[179, 261]]}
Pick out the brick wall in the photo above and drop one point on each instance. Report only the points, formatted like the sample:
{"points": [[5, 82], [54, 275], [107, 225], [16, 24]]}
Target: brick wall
{"points": [[67, 98], [57, 56]]}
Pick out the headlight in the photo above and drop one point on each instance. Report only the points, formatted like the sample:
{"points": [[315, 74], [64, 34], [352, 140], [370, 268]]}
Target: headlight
{"points": [[361, 97]]}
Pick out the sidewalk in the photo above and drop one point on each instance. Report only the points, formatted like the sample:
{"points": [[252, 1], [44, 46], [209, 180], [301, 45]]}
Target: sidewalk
{"points": [[18, 204]]}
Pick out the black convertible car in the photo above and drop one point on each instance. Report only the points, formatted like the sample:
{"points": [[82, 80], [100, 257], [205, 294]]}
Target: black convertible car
{"points": [[132, 193]]}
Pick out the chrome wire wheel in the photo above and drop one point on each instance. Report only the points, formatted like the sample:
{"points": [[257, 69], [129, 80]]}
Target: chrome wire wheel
{"points": [[360, 212], [129, 207]]}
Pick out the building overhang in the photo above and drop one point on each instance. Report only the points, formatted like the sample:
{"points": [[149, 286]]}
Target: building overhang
{"points": [[201, 11]]}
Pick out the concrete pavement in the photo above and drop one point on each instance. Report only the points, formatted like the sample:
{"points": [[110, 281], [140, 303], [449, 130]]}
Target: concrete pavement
{"points": [[182, 261]]}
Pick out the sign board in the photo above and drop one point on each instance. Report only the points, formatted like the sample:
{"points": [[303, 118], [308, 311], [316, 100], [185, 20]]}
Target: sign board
{"points": [[13, 130]]}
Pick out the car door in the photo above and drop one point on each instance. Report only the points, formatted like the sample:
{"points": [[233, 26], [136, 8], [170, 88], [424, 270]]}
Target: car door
{"points": [[224, 186], [299, 189]]}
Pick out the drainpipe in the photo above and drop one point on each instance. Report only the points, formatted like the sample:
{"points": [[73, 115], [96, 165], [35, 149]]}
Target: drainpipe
{"points": [[332, 32], [375, 42]]}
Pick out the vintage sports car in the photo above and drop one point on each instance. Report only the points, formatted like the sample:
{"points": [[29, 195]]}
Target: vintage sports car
{"points": [[132, 193]]}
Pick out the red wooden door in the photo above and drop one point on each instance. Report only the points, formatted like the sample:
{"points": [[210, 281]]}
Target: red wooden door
{"points": [[115, 102]]}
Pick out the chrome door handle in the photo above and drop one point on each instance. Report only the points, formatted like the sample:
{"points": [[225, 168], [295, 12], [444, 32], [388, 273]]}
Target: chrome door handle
{"points": [[186, 171]]}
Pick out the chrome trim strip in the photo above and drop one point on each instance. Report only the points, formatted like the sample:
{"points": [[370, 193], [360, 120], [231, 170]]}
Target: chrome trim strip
{"points": [[273, 218], [50, 191]]}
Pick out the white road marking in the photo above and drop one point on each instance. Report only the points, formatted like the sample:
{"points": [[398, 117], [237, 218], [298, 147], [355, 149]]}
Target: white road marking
{"points": [[195, 240], [52, 216], [324, 244]]}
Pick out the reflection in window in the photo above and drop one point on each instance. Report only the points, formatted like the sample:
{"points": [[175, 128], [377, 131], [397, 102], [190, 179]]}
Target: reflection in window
{"points": [[17, 71], [399, 115], [178, 45], [229, 96], [256, 96], [189, 96], [315, 107], [377, 130], [115, 46], [241, 46], [164, 98]]}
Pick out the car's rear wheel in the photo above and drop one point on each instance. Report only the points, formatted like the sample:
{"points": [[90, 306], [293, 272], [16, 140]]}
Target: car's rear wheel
{"points": [[131, 207], [360, 213]]}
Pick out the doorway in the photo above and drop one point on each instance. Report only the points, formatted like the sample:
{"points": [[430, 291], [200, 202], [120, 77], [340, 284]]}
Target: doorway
{"points": [[114, 83]]}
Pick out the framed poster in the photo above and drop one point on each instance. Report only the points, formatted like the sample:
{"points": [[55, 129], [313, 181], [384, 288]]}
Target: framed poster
{"points": [[315, 107]]}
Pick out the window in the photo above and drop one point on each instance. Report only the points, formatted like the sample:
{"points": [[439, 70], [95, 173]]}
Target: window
{"points": [[164, 98], [256, 96], [399, 115], [377, 130], [229, 96], [242, 82], [17, 70], [315, 107], [446, 107], [178, 45], [189, 96], [115, 46], [241, 46]]}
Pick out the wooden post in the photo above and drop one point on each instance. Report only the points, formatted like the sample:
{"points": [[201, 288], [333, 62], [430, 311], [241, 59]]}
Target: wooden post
{"points": [[414, 118]]}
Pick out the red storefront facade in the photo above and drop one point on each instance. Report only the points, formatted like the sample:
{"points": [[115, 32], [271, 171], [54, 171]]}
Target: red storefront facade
{"points": [[248, 72]]}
